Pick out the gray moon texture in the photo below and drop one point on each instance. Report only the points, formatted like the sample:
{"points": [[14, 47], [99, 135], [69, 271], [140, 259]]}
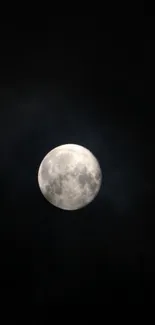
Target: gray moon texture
{"points": [[70, 177]]}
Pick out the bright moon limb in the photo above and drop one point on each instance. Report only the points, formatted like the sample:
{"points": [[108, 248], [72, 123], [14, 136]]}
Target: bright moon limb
{"points": [[70, 177]]}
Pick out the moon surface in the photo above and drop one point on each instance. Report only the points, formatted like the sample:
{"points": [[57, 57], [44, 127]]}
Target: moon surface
{"points": [[69, 177]]}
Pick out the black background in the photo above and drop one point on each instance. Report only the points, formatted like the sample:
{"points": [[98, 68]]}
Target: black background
{"points": [[76, 80]]}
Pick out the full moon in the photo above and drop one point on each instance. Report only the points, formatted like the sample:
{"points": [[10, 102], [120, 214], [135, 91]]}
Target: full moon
{"points": [[70, 177]]}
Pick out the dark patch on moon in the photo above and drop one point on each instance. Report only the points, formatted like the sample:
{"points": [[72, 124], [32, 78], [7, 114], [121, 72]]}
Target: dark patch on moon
{"points": [[98, 176], [57, 188], [86, 178], [93, 187], [56, 185], [48, 192]]}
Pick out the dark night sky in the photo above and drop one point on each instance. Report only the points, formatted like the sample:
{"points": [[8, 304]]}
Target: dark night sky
{"points": [[83, 83]]}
